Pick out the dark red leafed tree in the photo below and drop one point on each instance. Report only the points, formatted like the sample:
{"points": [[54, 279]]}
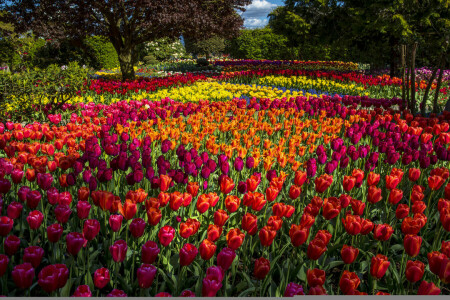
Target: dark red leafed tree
{"points": [[127, 23]]}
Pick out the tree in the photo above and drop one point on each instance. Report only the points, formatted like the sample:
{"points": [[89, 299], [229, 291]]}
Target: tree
{"points": [[260, 43], [214, 45], [127, 23]]}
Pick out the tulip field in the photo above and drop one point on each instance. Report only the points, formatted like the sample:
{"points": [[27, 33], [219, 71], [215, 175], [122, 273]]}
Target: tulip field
{"points": [[268, 178]]}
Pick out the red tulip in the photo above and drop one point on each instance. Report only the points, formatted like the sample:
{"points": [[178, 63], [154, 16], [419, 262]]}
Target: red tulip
{"points": [[83, 209], [128, 210], [316, 248], [187, 293], [166, 235], [349, 282], [187, 254], [150, 251], [444, 272], [293, 289], [62, 213], [6, 224], [358, 207], [192, 188], [48, 278], [366, 226], [154, 216], [23, 275], [4, 260], [213, 232], [90, 229], [352, 224], [275, 222], [300, 178], [164, 182], [331, 208], [14, 210], [428, 288], [35, 219], [83, 194], [402, 211], [225, 258], [176, 200], [349, 183], [412, 244], [235, 238], [11, 244], [101, 278], [119, 250], [220, 217], [82, 291], [374, 194], [262, 268], [373, 179], [435, 261], [380, 293], [323, 182], [202, 203], [226, 185], [232, 203], [298, 235], [249, 223], [349, 254], [379, 266], [115, 222], [445, 248], [435, 182], [33, 199], [210, 287], [120, 293], [294, 192], [382, 232], [137, 227], [207, 249], [392, 182], [418, 207], [317, 290], [258, 201], [74, 241], [252, 183], [413, 174], [315, 277], [33, 255], [395, 196], [267, 235], [414, 270], [145, 275], [272, 193]]}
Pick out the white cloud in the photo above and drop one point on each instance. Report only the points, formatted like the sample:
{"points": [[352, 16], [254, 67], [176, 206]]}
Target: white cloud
{"points": [[256, 13], [254, 22]]}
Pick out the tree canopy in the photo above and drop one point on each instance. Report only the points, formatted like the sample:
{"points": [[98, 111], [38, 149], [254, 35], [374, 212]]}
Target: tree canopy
{"points": [[127, 23]]}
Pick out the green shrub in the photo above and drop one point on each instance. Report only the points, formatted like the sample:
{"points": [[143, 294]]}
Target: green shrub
{"points": [[28, 95], [102, 51], [164, 49], [258, 44], [150, 60]]}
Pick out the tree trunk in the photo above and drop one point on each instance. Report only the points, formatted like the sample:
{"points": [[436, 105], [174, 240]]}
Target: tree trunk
{"points": [[436, 93], [413, 78], [403, 54], [427, 90], [126, 61]]}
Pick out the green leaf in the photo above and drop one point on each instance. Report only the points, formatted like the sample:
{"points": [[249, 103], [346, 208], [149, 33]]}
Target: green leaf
{"points": [[247, 291]]}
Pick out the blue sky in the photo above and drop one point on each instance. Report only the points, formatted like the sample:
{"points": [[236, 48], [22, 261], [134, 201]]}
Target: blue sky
{"points": [[256, 14]]}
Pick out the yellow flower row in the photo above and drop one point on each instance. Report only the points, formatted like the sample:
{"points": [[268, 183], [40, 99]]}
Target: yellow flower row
{"points": [[303, 82]]}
